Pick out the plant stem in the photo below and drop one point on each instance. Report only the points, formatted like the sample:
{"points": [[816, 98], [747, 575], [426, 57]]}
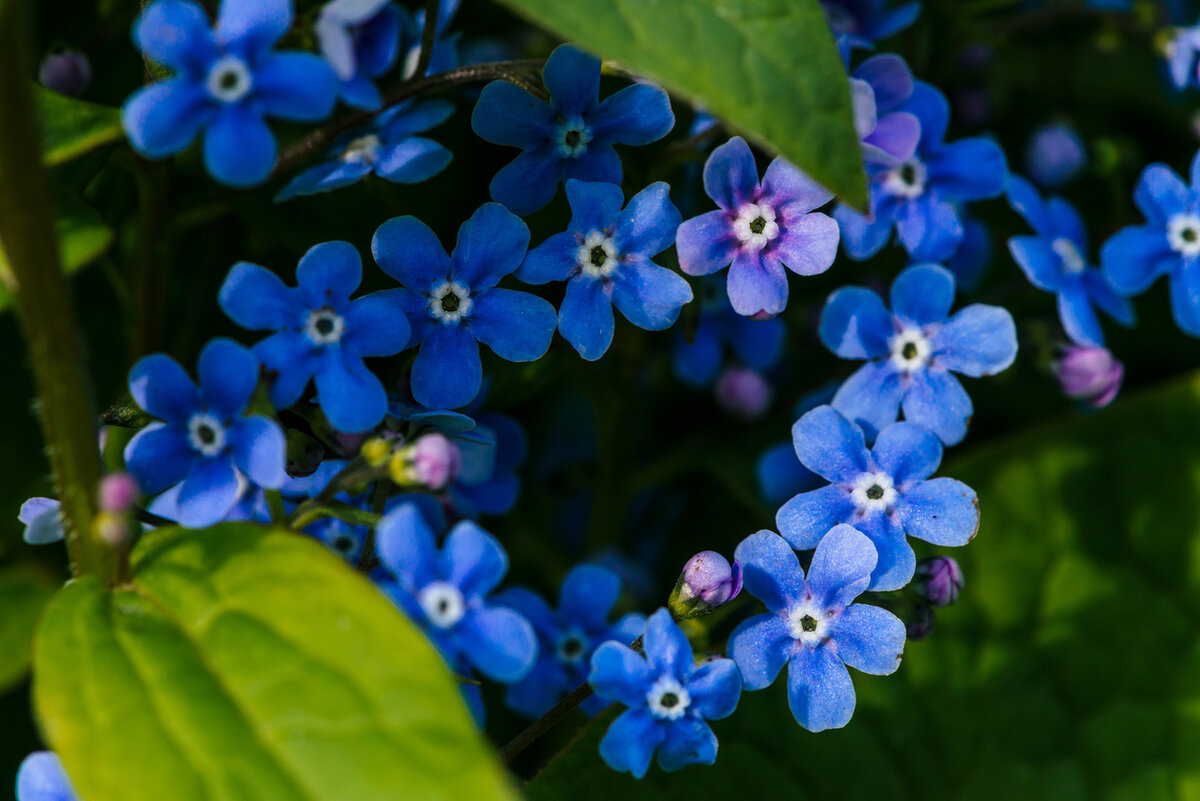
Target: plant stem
{"points": [[428, 36], [34, 275]]}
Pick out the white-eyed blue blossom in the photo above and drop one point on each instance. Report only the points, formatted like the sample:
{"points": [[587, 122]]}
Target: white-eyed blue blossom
{"points": [[914, 350], [226, 81], [759, 229], [605, 258], [885, 492], [865, 22], [572, 135], [41, 778], [453, 304], [389, 147], [361, 41], [206, 443], [1055, 260], [757, 344], [879, 87], [446, 592], [811, 624], [568, 636], [1168, 244], [670, 699], [320, 333], [920, 196]]}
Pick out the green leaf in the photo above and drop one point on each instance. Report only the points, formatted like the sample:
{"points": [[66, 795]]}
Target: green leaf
{"points": [[73, 127], [24, 590], [243, 663], [1068, 669], [769, 68]]}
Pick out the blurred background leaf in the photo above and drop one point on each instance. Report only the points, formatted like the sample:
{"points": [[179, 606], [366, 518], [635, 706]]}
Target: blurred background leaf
{"points": [[72, 127], [25, 587]]}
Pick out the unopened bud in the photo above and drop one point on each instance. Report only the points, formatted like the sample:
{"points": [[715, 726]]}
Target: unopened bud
{"points": [[118, 492], [707, 581], [432, 461], [112, 528], [1089, 374], [1055, 155], [920, 624], [743, 392], [939, 579], [376, 451], [67, 72]]}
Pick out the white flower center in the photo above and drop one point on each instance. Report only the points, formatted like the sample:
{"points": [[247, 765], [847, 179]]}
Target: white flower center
{"points": [[449, 302], [1068, 254], [229, 79], [324, 326], [572, 647], [206, 434], [806, 623], [755, 225], [572, 137], [1183, 232], [907, 180], [668, 699], [364, 149], [443, 604], [910, 350], [597, 256], [873, 492]]}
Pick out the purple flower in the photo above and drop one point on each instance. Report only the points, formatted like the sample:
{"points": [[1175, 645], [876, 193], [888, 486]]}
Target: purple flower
{"points": [[709, 577], [1091, 375], [914, 351], [67, 72], [939, 580], [118, 492], [743, 393], [879, 87], [759, 229], [361, 40], [42, 518], [864, 22], [811, 625]]}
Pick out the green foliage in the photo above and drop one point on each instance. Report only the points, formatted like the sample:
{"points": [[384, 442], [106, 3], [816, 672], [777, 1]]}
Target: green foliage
{"points": [[1069, 669], [768, 67], [24, 590], [245, 663], [72, 127]]}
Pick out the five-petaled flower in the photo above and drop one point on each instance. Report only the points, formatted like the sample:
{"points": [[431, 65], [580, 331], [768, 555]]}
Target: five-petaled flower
{"points": [[361, 40], [206, 439], [884, 492], [226, 81], [811, 625], [604, 256], [453, 304], [914, 351], [572, 135], [669, 699], [759, 229]]}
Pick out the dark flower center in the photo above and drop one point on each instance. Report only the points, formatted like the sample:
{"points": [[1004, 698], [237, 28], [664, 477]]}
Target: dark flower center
{"points": [[909, 351], [324, 326], [205, 434], [598, 256], [443, 605], [571, 137], [669, 700], [757, 225], [1189, 235], [450, 302], [344, 543], [571, 648], [808, 622], [908, 174], [875, 492], [229, 79]]}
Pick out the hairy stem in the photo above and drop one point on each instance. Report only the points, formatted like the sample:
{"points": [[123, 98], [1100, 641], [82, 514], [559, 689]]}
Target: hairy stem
{"points": [[428, 36]]}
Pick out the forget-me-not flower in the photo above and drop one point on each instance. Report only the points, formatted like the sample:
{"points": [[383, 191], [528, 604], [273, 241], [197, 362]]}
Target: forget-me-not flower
{"points": [[206, 439], [1168, 244], [757, 344], [41, 778], [227, 81], [446, 592], [878, 88], [389, 147], [865, 22], [572, 135], [605, 258], [1056, 261], [811, 624], [361, 41], [884, 492], [568, 636], [914, 351], [453, 304], [320, 333], [759, 229], [669, 697]]}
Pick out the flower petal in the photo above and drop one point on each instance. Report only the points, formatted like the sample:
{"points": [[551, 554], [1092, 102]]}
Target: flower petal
{"points": [[412, 160], [239, 148], [256, 298], [687, 741], [969, 169], [862, 236], [648, 224], [165, 117], [715, 688], [41, 776], [770, 569], [757, 343], [636, 115], [528, 182], [855, 324], [289, 360], [506, 114], [1135, 256], [1078, 317], [259, 450], [666, 646], [176, 33], [807, 244], [730, 174], [841, 566], [1037, 259], [252, 26], [351, 396], [588, 594], [936, 400], [820, 693], [498, 642], [620, 674], [328, 273], [871, 396], [491, 244], [923, 294], [757, 284], [447, 373], [648, 295], [476, 562], [897, 562], [161, 387], [228, 374], [406, 119], [376, 324], [907, 452], [629, 743], [209, 492], [407, 249], [977, 341], [942, 511], [158, 456], [553, 260], [516, 325], [585, 318], [296, 86], [573, 79], [1160, 193], [406, 545], [706, 243], [791, 191], [805, 519], [869, 639], [830, 445], [760, 646]]}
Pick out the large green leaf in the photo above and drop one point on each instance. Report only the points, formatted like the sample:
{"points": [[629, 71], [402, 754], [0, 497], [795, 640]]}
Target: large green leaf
{"points": [[242, 663], [1069, 669], [768, 68], [73, 127], [24, 590]]}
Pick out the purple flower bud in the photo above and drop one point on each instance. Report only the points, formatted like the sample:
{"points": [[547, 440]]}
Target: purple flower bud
{"points": [[743, 392], [939, 578], [1089, 374], [1055, 155], [709, 577], [436, 461], [920, 624], [67, 72], [118, 492]]}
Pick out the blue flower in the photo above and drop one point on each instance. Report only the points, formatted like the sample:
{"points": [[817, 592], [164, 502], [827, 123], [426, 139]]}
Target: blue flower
{"points": [[207, 441], [759, 229], [914, 351], [757, 344], [780, 474], [453, 304], [41, 778], [604, 256], [1055, 261], [883, 492], [974, 255], [568, 636], [572, 136], [445, 47], [487, 481], [812, 626], [669, 699], [345, 539], [865, 22], [250, 505], [919, 196], [1169, 243], [1183, 57], [388, 147], [361, 40], [226, 82], [446, 593], [1055, 155], [879, 87], [320, 333], [42, 518]]}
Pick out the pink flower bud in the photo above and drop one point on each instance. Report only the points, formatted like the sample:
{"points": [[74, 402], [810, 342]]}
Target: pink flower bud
{"points": [[1089, 374], [118, 492], [743, 392], [710, 577], [437, 461]]}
